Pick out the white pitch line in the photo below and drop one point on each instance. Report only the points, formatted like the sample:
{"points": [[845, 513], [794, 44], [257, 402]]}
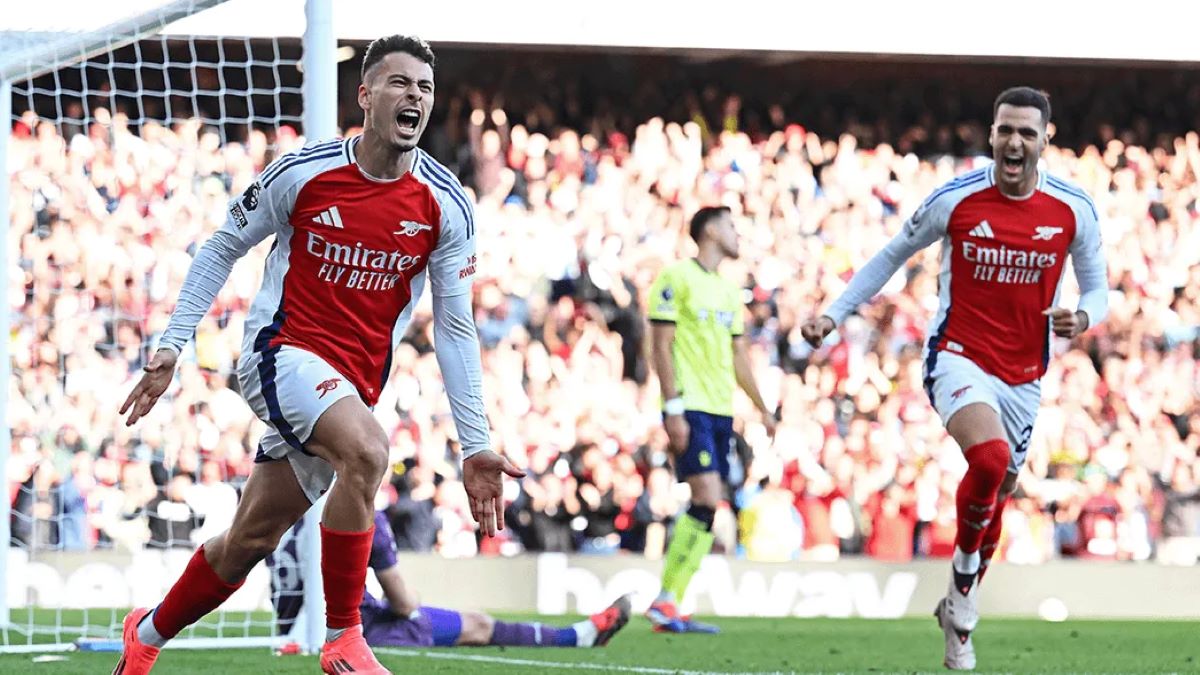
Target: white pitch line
{"points": [[578, 665]]}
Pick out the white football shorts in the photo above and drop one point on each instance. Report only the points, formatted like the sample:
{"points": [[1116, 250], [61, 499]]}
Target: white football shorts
{"points": [[956, 382], [289, 389]]}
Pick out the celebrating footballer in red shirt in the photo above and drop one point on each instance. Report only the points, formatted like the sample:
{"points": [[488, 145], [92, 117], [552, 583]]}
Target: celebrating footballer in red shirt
{"points": [[1006, 232], [360, 225]]}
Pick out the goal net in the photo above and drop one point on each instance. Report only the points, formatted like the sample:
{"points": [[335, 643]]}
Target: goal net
{"points": [[124, 145]]}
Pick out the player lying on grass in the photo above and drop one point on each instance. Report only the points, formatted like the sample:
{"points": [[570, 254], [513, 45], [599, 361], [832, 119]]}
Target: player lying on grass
{"points": [[398, 619]]}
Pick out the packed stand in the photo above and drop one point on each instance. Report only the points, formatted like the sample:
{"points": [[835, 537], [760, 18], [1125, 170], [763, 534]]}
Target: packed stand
{"points": [[574, 225]]}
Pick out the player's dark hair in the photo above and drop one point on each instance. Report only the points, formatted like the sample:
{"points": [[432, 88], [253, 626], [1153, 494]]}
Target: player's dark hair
{"points": [[408, 44], [1024, 97], [703, 217]]}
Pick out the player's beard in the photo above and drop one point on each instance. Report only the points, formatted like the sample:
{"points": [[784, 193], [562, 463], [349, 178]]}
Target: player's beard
{"points": [[1030, 167], [397, 145]]}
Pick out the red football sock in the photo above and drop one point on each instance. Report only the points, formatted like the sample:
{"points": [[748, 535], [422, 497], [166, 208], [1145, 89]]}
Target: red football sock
{"points": [[991, 536], [344, 557], [987, 465], [197, 592]]}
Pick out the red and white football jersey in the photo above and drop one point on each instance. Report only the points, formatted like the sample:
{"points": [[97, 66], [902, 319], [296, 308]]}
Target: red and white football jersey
{"points": [[351, 255], [1002, 264]]}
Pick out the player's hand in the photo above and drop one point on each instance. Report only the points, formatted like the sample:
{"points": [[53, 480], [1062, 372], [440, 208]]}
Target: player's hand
{"points": [[1065, 323], [815, 330], [677, 433], [483, 479], [770, 422], [154, 382]]}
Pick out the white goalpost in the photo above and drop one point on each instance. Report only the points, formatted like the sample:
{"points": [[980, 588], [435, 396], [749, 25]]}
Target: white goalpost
{"points": [[122, 145]]}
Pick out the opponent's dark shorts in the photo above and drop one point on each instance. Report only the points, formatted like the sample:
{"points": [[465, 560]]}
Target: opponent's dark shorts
{"points": [[709, 441]]}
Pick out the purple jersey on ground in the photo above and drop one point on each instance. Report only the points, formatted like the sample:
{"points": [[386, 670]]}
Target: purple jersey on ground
{"points": [[383, 556], [427, 627]]}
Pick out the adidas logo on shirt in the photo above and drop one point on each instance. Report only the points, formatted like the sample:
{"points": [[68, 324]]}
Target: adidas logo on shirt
{"points": [[983, 230], [329, 217]]}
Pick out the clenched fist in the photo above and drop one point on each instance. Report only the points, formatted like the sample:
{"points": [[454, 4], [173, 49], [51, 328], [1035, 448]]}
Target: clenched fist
{"points": [[1065, 323], [815, 330]]}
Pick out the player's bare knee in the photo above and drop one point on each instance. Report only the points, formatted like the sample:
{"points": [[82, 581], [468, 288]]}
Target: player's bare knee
{"points": [[363, 461], [974, 424], [477, 628]]}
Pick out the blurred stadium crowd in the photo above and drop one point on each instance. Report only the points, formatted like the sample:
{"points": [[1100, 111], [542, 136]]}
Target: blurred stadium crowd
{"points": [[578, 211]]}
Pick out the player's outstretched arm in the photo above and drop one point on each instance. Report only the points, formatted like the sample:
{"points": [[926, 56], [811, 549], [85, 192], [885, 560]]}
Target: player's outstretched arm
{"points": [[867, 281], [208, 272], [456, 345], [250, 218], [926, 226]]}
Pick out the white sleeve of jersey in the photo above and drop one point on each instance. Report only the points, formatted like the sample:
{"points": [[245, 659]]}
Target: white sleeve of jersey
{"points": [[452, 263], [262, 210], [926, 226], [1091, 268], [456, 345]]}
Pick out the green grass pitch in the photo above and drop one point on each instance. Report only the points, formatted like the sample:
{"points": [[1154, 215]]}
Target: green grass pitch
{"points": [[746, 645]]}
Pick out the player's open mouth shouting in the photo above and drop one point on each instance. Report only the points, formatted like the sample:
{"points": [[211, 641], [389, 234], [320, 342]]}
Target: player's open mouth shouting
{"points": [[1013, 164], [408, 120]]}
